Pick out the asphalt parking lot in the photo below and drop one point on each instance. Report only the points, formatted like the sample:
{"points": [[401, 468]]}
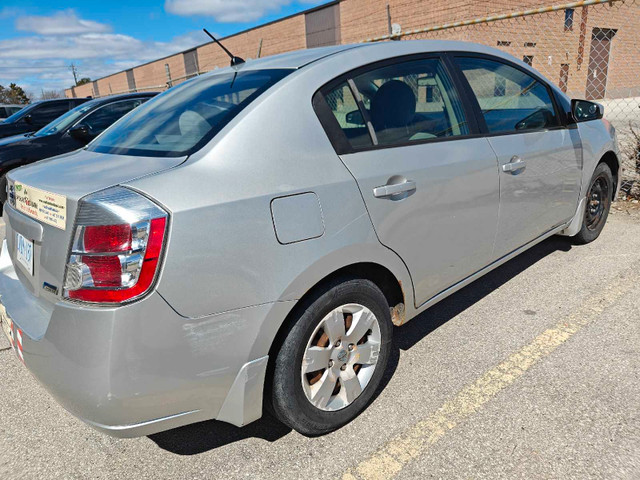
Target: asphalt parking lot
{"points": [[531, 372]]}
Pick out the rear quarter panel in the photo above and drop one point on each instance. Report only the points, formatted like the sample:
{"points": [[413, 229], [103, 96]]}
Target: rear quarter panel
{"points": [[223, 252]]}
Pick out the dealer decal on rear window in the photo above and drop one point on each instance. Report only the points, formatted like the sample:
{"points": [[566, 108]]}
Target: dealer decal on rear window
{"points": [[50, 208]]}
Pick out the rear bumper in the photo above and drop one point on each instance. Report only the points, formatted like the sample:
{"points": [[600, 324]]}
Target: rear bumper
{"points": [[141, 368]]}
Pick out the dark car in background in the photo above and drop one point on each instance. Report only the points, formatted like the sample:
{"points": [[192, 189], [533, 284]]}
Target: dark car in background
{"points": [[36, 115], [8, 110], [66, 133]]}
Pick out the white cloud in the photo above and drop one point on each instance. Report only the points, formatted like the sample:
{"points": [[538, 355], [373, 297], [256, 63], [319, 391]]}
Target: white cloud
{"points": [[65, 22], [228, 10], [43, 61]]}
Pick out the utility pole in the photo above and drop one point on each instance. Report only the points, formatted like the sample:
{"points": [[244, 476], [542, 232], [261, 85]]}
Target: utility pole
{"points": [[74, 70]]}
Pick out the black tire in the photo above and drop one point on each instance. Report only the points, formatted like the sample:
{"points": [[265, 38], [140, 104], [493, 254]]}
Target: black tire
{"points": [[3, 192], [288, 401], [599, 197]]}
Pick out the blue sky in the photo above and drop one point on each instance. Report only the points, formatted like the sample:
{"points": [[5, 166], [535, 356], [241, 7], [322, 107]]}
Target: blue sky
{"points": [[40, 39]]}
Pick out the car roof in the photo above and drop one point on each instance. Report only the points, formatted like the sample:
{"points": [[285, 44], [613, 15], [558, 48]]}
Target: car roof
{"points": [[295, 59], [301, 58], [123, 96]]}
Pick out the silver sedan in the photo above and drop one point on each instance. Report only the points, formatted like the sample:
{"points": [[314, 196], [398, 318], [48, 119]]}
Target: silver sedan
{"points": [[252, 236]]}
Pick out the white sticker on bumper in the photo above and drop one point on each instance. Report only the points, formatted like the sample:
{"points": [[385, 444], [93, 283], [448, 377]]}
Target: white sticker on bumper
{"points": [[50, 208]]}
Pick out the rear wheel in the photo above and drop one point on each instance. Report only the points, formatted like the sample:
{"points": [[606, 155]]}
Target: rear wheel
{"points": [[3, 192], [598, 205], [333, 358]]}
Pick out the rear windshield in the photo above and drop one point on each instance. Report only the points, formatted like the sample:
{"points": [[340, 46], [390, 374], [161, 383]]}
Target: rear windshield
{"points": [[183, 119]]}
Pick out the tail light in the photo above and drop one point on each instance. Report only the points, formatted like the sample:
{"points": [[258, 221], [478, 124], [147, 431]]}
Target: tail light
{"points": [[117, 245]]}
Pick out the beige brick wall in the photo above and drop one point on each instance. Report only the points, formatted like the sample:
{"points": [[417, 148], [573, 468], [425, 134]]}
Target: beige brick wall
{"points": [[283, 36], [116, 83], [82, 91], [361, 19], [154, 74]]}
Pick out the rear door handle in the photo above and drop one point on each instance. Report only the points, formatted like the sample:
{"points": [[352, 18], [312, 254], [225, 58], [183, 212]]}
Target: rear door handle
{"points": [[516, 165], [394, 189]]}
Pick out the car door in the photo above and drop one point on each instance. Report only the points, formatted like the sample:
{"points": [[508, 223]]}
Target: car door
{"points": [[540, 159], [431, 189]]}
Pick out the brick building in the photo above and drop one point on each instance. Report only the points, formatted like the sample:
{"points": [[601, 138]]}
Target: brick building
{"points": [[574, 47]]}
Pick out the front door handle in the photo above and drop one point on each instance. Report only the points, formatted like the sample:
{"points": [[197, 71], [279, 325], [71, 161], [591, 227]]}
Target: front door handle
{"points": [[394, 189], [516, 165]]}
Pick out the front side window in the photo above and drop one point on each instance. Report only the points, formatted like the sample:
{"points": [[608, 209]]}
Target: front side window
{"points": [[62, 122], [510, 99], [48, 112], [20, 114], [184, 118], [107, 115]]}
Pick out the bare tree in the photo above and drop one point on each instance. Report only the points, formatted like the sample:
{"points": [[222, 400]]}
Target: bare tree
{"points": [[49, 94]]}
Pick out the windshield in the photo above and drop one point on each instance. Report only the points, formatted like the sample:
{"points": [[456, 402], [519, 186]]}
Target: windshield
{"points": [[183, 119], [20, 113], [60, 123]]}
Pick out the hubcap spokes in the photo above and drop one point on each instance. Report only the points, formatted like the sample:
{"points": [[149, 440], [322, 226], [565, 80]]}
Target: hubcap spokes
{"points": [[340, 357]]}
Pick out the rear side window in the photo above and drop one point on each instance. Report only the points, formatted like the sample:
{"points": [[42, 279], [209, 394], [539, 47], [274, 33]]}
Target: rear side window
{"points": [[411, 101], [183, 119], [510, 99], [345, 109], [399, 104]]}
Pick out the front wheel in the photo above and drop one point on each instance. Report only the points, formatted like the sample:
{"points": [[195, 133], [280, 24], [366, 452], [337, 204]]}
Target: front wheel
{"points": [[333, 358], [599, 199]]}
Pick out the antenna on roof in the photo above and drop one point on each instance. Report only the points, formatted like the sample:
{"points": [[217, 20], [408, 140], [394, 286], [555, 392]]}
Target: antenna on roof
{"points": [[234, 60]]}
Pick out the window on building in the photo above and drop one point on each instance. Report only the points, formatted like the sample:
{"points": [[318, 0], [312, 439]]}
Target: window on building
{"points": [[568, 19], [528, 59], [503, 43], [530, 44]]}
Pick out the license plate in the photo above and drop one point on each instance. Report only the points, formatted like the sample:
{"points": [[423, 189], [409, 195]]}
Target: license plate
{"points": [[24, 252]]}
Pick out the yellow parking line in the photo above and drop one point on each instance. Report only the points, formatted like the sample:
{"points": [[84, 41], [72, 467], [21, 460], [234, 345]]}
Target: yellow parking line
{"points": [[391, 458]]}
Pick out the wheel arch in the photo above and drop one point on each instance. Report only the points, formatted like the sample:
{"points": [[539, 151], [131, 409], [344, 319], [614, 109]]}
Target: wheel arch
{"points": [[391, 286], [612, 161]]}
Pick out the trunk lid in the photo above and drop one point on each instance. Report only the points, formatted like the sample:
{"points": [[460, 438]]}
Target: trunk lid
{"points": [[64, 180]]}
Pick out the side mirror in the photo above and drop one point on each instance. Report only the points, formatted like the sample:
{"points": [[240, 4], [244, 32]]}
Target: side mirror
{"points": [[585, 111], [81, 132], [539, 119], [28, 119], [354, 118]]}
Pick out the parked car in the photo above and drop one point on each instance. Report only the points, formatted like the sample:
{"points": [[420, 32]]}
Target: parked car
{"points": [[66, 133], [255, 233], [36, 115], [8, 110]]}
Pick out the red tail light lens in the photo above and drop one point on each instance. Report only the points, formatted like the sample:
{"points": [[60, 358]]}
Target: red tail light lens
{"points": [[107, 238], [115, 262]]}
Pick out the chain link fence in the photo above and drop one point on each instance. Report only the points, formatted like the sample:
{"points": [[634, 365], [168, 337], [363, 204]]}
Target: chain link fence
{"points": [[591, 49]]}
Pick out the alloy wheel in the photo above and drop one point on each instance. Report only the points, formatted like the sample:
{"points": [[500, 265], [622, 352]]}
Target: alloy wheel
{"points": [[340, 357]]}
